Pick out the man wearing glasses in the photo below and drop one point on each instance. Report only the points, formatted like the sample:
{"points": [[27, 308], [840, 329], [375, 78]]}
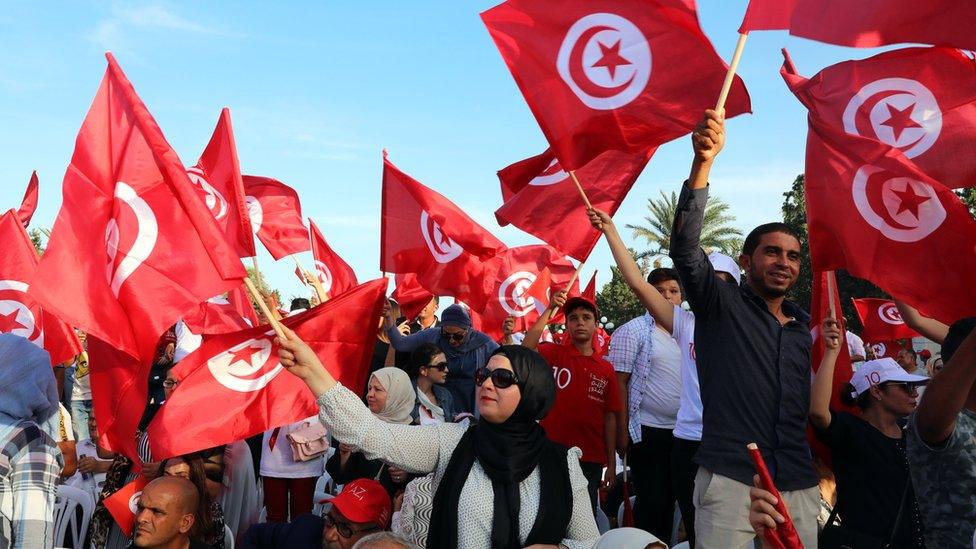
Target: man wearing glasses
{"points": [[363, 507]]}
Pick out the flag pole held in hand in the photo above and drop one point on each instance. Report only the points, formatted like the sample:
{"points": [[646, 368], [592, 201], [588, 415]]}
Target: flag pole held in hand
{"points": [[264, 309], [730, 75], [785, 534], [586, 200]]}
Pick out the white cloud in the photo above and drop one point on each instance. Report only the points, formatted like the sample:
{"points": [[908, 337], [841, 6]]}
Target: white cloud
{"points": [[110, 32]]}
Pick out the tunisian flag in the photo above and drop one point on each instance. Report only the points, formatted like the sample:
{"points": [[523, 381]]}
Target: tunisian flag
{"points": [[218, 315], [542, 200], [624, 75], [217, 180], [885, 349], [823, 293], [919, 101], [424, 233], [510, 275], [411, 296], [872, 212], [276, 216], [123, 504], [29, 203], [237, 379], [881, 320], [335, 274], [133, 249], [867, 23], [19, 313]]}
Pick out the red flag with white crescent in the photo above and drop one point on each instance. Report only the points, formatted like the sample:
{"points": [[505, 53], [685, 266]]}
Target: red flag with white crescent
{"points": [[881, 320], [623, 75], [19, 313], [276, 216], [217, 180], [542, 200], [238, 378], [334, 273], [29, 204], [885, 349], [872, 212], [124, 504]]}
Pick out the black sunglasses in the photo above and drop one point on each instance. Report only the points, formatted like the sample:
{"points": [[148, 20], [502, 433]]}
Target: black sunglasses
{"points": [[442, 366], [344, 528], [500, 377], [903, 385], [454, 336]]}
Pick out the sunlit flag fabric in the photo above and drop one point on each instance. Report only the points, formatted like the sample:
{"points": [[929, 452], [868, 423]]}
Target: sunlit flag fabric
{"points": [[625, 75], [410, 295], [334, 273], [871, 212], [241, 301], [217, 180], [881, 320], [123, 504], [276, 216], [132, 248], [423, 232], [868, 23], [238, 377], [920, 101], [217, 315], [542, 200], [19, 313], [29, 204]]}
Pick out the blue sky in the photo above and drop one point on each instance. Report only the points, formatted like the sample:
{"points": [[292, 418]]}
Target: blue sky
{"points": [[317, 90]]}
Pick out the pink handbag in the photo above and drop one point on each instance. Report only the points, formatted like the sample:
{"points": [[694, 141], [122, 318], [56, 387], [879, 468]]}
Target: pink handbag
{"points": [[308, 441]]}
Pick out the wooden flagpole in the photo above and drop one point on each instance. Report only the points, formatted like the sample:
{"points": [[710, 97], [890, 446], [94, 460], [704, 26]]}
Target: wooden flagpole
{"points": [[316, 283], [730, 75], [582, 193], [275, 324]]}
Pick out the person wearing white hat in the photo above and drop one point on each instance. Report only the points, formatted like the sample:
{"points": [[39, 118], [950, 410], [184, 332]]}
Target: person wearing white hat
{"points": [[679, 323], [875, 496]]}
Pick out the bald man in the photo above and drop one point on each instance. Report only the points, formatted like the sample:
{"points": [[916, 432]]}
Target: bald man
{"points": [[167, 512]]}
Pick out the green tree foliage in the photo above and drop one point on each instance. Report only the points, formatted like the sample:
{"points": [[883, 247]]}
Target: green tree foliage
{"points": [[36, 236], [616, 300], [795, 215], [717, 231]]}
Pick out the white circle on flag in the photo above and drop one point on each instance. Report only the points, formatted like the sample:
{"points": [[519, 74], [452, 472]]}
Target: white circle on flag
{"points": [[15, 316], [910, 209], [246, 375], [879, 350], [215, 201], [511, 293], [606, 60], [440, 245], [890, 314], [255, 212], [553, 174], [134, 502], [325, 275], [899, 112], [119, 231]]}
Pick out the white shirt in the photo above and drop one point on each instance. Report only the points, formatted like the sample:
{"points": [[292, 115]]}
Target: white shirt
{"points": [[662, 395], [186, 341], [855, 345], [689, 423], [278, 462]]}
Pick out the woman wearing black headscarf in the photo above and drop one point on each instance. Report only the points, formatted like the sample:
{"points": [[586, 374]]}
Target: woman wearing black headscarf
{"points": [[499, 484]]}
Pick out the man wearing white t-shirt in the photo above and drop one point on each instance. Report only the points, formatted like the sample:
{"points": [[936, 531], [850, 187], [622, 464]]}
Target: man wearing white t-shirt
{"points": [[855, 347], [663, 307]]}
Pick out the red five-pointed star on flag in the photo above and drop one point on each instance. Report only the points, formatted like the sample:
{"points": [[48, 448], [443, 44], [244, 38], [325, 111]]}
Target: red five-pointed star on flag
{"points": [[900, 120], [9, 322], [245, 353], [910, 200], [611, 58]]}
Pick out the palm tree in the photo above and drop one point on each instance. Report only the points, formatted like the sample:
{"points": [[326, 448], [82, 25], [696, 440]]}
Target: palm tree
{"points": [[717, 233]]}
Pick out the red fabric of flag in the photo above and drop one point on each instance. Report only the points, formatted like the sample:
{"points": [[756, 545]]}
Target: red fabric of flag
{"points": [[918, 101], [881, 320], [767, 15], [539, 289], [623, 75], [542, 200], [820, 304], [411, 296], [784, 535], [276, 216], [217, 180], [871, 212], [19, 313], [123, 504], [423, 232], [217, 315], [239, 379], [29, 204], [885, 349], [335, 274], [241, 301], [132, 249]]}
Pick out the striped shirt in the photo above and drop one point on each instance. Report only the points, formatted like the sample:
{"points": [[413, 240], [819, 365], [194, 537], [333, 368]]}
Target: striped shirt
{"points": [[30, 463]]}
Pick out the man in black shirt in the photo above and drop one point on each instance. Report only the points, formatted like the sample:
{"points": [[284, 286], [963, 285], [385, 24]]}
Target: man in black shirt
{"points": [[753, 357]]}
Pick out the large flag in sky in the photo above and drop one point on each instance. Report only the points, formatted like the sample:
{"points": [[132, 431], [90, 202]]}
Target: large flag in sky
{"points": [[29, 203], [276, 216], [919, 101], [217, 180], [233, 386], [868, 23], [625, 75], [334, 273], [542, 200], [133, 249], [881, 320], [872, 212], [19, 313], [423, 232]]}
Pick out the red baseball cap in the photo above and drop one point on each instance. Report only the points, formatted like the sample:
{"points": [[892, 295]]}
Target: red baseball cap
{"points": [[363, 500]]}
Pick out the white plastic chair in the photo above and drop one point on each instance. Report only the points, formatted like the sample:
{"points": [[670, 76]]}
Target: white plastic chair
{"points": [[322, 490], [620, 511], [228, 538], [68, 501], [602, 522]]}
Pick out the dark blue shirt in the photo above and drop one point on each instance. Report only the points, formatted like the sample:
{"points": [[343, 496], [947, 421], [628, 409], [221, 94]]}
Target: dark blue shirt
{"points": [[754, 372]]}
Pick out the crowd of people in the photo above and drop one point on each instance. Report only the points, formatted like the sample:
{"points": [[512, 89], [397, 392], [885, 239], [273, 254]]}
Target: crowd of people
{"points": [[457, 440]]}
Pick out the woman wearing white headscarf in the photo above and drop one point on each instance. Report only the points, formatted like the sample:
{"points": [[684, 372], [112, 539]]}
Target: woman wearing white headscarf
{"points": [[28, 430], [390, 397]]}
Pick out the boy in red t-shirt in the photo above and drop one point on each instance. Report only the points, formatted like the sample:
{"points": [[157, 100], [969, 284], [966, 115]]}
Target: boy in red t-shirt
{"points": [[587, 400]]}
